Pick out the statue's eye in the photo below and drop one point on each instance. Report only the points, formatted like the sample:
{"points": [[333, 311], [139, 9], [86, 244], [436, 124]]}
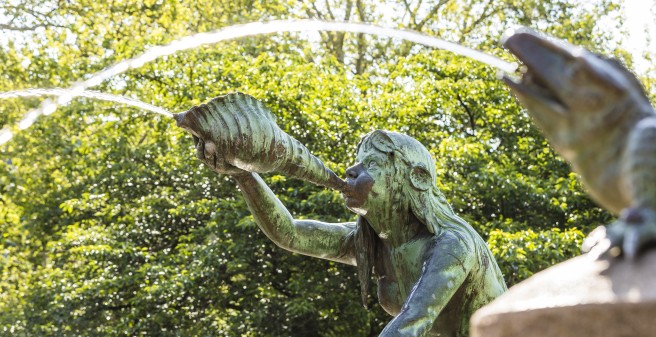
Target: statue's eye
{"points": [[372, 164]]}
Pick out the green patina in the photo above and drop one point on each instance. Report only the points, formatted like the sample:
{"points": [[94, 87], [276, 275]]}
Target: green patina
{"points": [[596, 115], [433, 270]]}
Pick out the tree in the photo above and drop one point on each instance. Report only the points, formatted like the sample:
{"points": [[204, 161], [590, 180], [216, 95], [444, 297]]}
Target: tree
{"points": [[110, 227]]}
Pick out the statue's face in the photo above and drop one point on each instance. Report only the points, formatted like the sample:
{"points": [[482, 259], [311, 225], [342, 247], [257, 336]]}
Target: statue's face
{"points": [[369, 181]]}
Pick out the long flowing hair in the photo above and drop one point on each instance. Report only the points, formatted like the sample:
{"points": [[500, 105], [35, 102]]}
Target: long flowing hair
{"points": [[415, 170]]}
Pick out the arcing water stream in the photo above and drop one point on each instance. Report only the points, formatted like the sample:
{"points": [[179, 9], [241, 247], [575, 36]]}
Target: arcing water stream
{"points": [[249, 29], [48, 106], [68, 93]]}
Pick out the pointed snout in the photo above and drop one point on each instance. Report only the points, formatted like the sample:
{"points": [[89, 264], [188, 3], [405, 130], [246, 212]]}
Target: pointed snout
{"points": [[536, 50], [543, 56], [549, 63]]}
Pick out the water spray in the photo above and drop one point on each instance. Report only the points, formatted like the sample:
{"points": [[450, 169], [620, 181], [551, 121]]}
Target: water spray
{"points": [[48, 106], [237, 31], [66, 95]]}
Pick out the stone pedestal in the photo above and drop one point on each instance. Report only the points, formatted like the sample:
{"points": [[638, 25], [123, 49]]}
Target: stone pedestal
{"points": [[580, 297]]}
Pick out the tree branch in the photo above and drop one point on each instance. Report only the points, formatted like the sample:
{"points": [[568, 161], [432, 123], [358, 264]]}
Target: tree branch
{"points": [[4, 26], [413, 13], [466, 29], [470, 114], [431, 14], [361, 41]]}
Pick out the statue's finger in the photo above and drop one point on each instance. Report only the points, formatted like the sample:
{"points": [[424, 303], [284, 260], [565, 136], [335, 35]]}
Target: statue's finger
{"points": [[209, 150], [200, 148]]}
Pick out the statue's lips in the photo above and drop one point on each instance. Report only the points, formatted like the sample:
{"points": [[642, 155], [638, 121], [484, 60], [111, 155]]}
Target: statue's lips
{"points": [[347, 191], [352, 196]]}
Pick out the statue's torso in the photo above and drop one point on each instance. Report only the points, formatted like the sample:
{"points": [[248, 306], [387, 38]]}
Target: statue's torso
{"points": [[404, 264]]}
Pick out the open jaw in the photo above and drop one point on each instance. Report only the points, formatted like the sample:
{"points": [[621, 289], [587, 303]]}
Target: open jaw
{"points": [[530, 88], [545, 80]]}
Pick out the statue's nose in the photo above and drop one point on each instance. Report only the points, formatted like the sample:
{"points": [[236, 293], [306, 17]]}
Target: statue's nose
{"points": [[354, 171]]}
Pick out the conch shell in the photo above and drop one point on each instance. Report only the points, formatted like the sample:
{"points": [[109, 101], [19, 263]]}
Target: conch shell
{"points": [[245, 132]]}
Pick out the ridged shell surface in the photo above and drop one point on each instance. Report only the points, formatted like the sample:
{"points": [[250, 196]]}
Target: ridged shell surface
{"points": [[245, 132]]}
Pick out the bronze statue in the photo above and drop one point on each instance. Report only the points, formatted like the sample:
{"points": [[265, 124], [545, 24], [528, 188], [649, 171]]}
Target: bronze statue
{"points": [[596, 115], [433, 269]]}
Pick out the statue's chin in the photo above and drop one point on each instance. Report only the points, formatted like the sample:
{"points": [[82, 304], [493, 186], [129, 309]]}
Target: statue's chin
{"points": [[359, 211], [356, 209]]}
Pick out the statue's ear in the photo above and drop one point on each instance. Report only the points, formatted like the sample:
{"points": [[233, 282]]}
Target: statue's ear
{"points": [[420, 178]]}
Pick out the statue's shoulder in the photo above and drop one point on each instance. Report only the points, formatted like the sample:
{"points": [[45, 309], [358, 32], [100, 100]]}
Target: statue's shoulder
{"points": [[456, 240]]}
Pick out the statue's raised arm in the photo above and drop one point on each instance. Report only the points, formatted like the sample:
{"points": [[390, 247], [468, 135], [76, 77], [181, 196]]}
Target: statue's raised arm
{"points": [[237, 135]]}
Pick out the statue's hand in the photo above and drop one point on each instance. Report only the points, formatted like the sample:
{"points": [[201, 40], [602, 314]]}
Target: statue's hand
{"points": [[208, 153]]}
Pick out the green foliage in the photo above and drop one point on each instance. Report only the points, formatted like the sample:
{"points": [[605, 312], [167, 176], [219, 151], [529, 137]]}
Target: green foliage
{"points": [[110, 227], [523, 253]]}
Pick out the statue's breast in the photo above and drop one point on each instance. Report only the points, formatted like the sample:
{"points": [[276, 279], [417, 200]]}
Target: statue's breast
{"points": [[398, 269], [389, 295]]}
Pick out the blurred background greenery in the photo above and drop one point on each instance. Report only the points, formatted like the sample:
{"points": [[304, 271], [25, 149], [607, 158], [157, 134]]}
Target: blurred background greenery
{"points": [[111, 227]]}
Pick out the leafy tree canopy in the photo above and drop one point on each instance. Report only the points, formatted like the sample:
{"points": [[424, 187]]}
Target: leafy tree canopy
{"points": [[110, 227]]}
